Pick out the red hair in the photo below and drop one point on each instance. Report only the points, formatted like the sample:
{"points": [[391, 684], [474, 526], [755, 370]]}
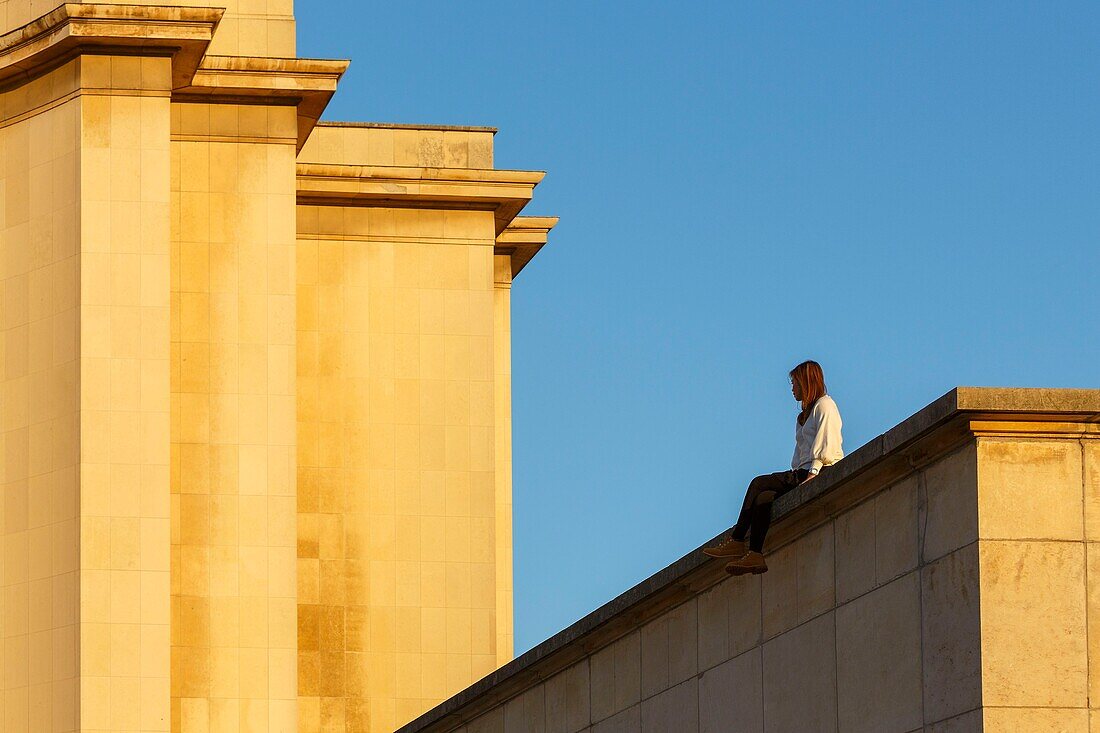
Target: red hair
{"points": [[811, 380]]}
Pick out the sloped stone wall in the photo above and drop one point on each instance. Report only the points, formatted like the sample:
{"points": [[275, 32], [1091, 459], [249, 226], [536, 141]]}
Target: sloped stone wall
{"points": [[853, 629], [938, 581]]}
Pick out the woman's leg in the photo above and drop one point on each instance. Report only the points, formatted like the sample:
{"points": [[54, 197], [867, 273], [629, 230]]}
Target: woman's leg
{"points": [[756, 512], [744, 519], [759, 511], [761, 519], [771, 483]]}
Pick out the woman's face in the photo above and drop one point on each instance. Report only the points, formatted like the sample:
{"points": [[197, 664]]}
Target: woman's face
{"points": [[796, 390]]}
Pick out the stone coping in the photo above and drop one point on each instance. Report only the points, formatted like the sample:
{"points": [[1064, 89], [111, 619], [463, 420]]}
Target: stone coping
{"points": [[695, 571], [336, 171], [282, 74], [405, 126]]}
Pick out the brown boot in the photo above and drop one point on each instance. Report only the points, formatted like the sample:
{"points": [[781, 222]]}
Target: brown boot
{"points": [[752, 562], [730, 548]]}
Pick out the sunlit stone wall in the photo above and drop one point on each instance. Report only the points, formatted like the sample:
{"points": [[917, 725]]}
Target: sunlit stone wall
{"points": [[84, 406], [397, 593], [254, 454], [234, 431]]}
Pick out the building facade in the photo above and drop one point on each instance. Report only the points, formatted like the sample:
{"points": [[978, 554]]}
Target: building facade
{"points": [[255, 411], [943, 578]]}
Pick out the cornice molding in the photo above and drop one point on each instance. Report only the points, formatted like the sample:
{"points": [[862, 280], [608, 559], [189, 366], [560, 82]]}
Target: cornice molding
{"points": [[504, 192], [523, 239], [73, 29], [307, 84], [184, 34]]}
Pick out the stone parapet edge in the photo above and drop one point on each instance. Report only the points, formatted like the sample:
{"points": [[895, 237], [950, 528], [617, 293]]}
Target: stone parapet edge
{"points": [[504, 192], [407, 126], [695, 571]]}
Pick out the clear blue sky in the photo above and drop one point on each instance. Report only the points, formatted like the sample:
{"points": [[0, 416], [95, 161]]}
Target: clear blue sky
{"points": [[907, 192]]}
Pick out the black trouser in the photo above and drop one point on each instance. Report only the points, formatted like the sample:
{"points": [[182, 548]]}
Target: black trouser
{"points": [[756, 512]]}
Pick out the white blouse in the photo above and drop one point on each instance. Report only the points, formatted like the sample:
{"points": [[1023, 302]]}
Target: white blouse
{"points": [[817, 443]]}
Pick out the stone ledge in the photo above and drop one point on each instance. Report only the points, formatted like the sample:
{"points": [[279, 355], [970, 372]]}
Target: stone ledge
{"points": [[307, 84], [504, 192], [75, 28], [937, 428], [407, 126]]}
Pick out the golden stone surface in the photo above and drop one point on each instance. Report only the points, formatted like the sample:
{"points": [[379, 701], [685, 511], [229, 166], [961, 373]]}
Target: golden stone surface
{"points": [[255, 418]]}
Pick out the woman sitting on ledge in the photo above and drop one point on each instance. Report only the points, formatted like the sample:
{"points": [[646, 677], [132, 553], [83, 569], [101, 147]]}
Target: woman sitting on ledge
{"points": [[817, 445]]}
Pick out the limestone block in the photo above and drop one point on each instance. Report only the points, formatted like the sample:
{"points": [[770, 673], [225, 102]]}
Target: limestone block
{"points": [[714, 624], [654, 656], [1094, 721], [675, 709], [800, 679], [669, 649], [816, 586], [602, 691], [896, 530], [1091, 455], [879, 665], [490, 722], [526, 713], [779, 589], [1029, 489], [616, 677], [1035, 720], [951, 626], [628, 721], [683, 642], [731, 697], [855, 551], [745, 613], [628, 671], [567, 703], [1034, 646], [949, 508]]}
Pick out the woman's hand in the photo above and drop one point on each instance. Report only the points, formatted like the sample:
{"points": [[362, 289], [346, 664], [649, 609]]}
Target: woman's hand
{"points": [[809, 478]]}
